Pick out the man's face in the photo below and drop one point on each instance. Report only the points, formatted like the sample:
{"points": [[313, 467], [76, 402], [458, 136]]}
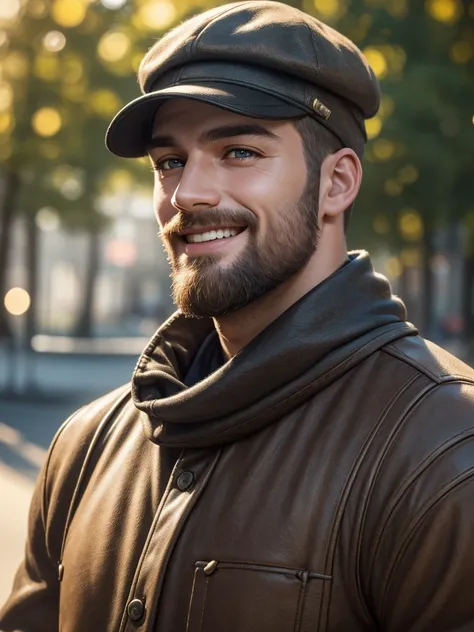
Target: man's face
{"points": [[236, 213]]}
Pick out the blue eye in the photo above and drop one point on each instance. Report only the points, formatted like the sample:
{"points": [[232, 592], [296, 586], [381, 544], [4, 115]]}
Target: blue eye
{"points": [[170, 163], [240, 153]]}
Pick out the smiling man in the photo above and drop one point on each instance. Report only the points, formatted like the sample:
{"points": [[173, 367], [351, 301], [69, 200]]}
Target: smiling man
{"points": [[290, 454]]}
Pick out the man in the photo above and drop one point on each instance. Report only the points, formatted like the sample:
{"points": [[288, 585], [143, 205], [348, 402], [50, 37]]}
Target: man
{"points": [[291, 455]]}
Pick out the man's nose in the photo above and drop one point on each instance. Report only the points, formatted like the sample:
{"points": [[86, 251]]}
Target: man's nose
{"points": [[197, 188]]}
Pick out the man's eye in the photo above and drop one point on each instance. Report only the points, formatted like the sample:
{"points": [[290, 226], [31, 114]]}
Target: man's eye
{"points": [[168, 164], [240, 153]]}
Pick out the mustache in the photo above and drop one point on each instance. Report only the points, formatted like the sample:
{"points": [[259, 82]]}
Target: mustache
{"points": [[209, 217]]}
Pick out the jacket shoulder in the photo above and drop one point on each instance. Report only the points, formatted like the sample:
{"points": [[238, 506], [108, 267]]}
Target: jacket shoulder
{"points": [[428, 358]]}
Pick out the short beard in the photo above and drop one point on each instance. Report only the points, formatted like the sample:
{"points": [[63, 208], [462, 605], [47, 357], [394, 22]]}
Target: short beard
{"points": [[204, 287]]}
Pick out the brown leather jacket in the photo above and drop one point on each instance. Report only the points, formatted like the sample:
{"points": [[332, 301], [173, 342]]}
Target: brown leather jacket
{"points": [[322, 480]]}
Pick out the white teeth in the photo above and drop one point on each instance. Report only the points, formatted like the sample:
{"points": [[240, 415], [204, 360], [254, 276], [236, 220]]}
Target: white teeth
{"points": [[211, 235]]}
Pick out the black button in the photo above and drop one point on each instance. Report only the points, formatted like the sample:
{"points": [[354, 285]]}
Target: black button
{"points": [[135, 609], [185, 480]]}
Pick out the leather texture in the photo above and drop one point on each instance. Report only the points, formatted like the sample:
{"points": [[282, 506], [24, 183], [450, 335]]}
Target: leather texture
{"points": [[320, 481], [259, 58]]}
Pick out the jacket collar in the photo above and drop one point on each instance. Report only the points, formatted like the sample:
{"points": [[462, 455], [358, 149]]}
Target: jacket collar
{"points": [[329, 330]]}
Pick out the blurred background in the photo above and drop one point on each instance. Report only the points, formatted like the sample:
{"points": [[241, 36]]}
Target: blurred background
{"points": [[83, 278]]}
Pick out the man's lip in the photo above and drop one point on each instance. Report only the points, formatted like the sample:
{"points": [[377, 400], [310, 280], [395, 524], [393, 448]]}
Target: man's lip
{"points": [[205, 229]]}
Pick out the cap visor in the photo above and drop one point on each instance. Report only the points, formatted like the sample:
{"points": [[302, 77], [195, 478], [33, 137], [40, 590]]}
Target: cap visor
{"points": [[130, 130]]}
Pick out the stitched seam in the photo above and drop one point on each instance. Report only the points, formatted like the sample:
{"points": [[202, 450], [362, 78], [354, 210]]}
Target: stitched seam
{"points": [[401, 355], [218, 16], [299, 605], [423, 466], [204, 604], [456, 482], [388, 409], [317, 64], [191, 600], [343, 498]]}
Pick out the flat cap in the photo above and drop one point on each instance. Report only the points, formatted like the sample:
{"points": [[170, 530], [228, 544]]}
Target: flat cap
{"points": [[258, 58]]}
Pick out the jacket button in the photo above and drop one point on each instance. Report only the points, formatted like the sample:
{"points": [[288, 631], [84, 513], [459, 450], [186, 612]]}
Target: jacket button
{"points": [[135, 609], [185, 480]]}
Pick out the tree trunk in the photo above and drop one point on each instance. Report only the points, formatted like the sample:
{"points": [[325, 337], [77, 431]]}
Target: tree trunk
{"points": [[84, 324], [32, 262], [427, 311], [7, 212]]}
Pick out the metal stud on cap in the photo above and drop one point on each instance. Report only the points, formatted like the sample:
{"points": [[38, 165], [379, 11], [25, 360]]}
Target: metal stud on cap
{"points": [[321, 109]]}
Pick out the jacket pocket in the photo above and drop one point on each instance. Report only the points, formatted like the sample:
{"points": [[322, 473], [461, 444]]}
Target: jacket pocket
{"points": [[244, 597]]}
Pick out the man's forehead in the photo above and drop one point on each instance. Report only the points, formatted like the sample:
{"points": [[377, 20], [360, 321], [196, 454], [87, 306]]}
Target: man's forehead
{"points": [[196, 114]]}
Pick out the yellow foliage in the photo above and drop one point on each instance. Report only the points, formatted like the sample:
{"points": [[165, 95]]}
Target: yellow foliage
{"points": [[373, 127], [327, 9], [381, 225], [16, 65], [7, 123], [46, 121], [376, 60], [37, 8], [393, 188], [461, 52], [6, 96], [68, 13], [49, 150], [104, 102], [113, 46], [73, 69], [447, 11], [410, 224], [410, 257], [383, 149], [6, 149], [393, 267], [47, 66], [408, 174], [386, 106], [155, 15]]}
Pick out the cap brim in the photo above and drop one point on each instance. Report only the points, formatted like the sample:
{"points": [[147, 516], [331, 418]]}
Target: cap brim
{"points": [[130, 130]]}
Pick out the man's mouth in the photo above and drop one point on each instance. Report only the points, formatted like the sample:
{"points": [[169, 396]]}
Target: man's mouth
{"points": [[211, 235]]}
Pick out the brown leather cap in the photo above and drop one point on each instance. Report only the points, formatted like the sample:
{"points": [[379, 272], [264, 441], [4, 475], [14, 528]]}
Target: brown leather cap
{"points": [[261, 59]]}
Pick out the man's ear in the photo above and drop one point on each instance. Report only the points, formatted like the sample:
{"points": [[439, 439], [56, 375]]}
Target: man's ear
{"points": [[341, 176]]}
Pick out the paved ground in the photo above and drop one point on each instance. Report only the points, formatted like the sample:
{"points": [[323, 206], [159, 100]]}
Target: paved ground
{"points": [[48, 389]]}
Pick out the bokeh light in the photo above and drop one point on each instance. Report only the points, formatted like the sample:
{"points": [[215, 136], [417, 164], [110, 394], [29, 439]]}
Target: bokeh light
{"points": [[47, 66], [68, 13], [17, 301], [47, 219], [9, 9], [105, 102], [447, 11], [7, 122], [6, 96], [410, 225], [113, 4], [381, 225], [16, 65], [54, 41], [113, 46], [383, 149], [155, 15], [328, 8], [46, 121], [373, 127], [376, 60]]}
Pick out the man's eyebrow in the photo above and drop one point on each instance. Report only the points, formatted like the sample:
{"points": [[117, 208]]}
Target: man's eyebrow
{"points": [[216, 133], [228, 131]]}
